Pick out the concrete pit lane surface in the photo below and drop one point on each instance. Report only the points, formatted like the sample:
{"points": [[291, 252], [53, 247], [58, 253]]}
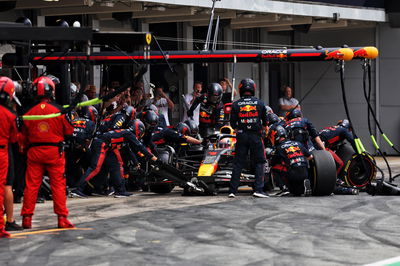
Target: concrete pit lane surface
{"points": [[150, 229]]}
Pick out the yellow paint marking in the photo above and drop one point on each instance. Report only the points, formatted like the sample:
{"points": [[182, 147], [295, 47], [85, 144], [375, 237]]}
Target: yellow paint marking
{"points": [[48, 231], [245, 189]]}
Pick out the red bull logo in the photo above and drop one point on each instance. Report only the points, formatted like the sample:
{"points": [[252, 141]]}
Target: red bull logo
{"points": [[292, 149], [345, 54], [248, 111], [366, 52], [203, 114], [79, 122], [248, 108]]}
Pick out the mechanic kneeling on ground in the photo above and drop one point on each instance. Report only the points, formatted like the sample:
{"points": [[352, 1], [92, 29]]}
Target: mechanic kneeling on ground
{"points": [[292, 156], [248, 117], [333, 137], [301, 129]]}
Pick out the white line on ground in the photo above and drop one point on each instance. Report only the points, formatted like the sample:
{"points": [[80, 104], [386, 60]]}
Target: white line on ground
{"points": [[388, 262]]}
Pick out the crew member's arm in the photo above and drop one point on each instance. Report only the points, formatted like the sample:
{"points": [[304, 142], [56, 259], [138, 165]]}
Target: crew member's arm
{"points": [[285, 107], [68, 128], [231, 86], [314, 135], [319, 142], [138, 146], [23, 138], [196, 103], [192, 140], [133, 157], [349, 137], [306, 153], [175, 137], [234, 116], [169, 102]]}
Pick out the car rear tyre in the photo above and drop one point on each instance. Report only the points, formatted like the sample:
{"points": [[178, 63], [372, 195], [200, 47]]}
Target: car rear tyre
{"points": [[322, 173]]}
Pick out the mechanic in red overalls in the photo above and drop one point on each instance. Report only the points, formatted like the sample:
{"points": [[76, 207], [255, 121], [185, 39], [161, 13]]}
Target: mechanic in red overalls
{"points": [[43, 139], [8, 133]]}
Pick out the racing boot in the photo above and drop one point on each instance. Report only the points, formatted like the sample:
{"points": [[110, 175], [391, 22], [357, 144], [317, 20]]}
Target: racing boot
{"points": [[346, 191], [4, 233], [307, 188], [27, 221], [64, 223]]}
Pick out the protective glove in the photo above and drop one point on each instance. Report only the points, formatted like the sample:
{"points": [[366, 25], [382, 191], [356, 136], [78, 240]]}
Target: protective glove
{"points": [[203, 98], [204, 142]]}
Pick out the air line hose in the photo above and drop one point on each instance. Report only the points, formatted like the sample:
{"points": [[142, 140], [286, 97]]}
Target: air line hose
{"points": [[366, 74], [368, 66], [360, 147]]}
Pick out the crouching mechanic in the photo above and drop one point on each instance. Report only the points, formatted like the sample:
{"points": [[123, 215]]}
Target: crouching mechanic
{"points": [[301, 129], [77, 157], [8, 134], [105, 148], [292, 158], [44, 141], [248, 117], [333, 137]]}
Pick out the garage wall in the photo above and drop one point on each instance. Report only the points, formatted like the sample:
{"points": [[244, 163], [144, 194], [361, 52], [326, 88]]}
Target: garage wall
{"points": [[389, 73], [324, 105]]}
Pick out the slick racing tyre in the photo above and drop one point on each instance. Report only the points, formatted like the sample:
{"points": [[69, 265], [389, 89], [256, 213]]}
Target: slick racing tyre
{"points": [[161, 188], [322, 173], [360, 170]]}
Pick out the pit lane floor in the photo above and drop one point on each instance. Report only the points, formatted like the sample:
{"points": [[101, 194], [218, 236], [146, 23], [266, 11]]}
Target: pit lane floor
{"points": [[150, 229]]}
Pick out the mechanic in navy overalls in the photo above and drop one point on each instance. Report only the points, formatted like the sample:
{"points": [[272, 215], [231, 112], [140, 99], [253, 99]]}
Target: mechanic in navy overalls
{"points": [[290, 159], [333, 136], [88, 112], [105, 148], [248, 118], [118, 120], [211, 112], [172, 136], [300, 129], [76, 156]]}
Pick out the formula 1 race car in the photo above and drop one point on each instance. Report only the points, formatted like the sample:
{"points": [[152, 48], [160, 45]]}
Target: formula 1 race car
{"points": [[205, 170], [216, 168]]}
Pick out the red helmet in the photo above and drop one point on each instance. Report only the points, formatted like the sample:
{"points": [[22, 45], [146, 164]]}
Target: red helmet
{"points": [[183, 128], [44, 87], [7, 90]]}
